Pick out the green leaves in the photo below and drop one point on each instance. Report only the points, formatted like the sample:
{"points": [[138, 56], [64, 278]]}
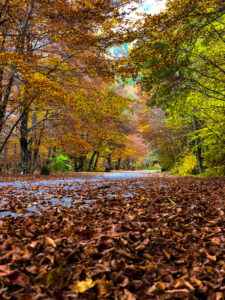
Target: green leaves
{"points": [[180, 63]]}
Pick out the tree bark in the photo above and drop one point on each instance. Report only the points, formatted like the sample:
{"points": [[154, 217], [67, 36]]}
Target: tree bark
{"points": [[96, 161], [81, 163], [108, 164], [198, 152], [117, 166], [24, 152], [92, 160], [75, 165]]}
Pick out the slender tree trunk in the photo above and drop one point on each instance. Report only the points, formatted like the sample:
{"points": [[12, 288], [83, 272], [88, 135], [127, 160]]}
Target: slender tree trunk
{"points": [[117, 166], [96, 161], [76, 168], [127, 164], [91, 160], [108, 164], [81, 163], [5, 99], [198, 152], [36, 151], [24, 152], [48, 160], [32, 139]]}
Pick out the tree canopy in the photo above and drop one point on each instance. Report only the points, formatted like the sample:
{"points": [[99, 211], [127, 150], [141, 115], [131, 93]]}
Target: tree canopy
{"points": [[178, 59]]}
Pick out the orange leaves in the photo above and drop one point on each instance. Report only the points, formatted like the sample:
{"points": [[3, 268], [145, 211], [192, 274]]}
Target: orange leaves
{"points": [[97, 251]]}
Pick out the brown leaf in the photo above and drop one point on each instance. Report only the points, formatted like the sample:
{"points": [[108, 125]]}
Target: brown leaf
{"points": [[19, 278], [104, 287], [4, 270], [178, 292], [167, 254], [49, 241]]}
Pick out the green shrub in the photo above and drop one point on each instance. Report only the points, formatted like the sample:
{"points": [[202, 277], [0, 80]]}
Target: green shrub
{"points": [[61, 163]]}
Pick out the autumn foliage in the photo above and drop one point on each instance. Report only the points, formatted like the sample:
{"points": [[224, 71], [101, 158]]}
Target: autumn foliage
{"points": [[55, 78]]}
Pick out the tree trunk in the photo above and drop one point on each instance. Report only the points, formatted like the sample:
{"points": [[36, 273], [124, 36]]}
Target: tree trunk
{"points": [[96, 161], [36, 151], [127, 164], [76, 168], [24, 152], [91, 160], [108, 164], [117, 166], [81, 163], [198, 152]]}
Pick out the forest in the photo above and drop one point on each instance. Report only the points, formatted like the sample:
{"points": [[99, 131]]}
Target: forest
{"points": [[67, 104], [112, 149]]}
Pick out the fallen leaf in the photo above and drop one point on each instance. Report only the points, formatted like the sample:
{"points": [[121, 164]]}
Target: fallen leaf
{"points": [[4, 270], [82, 286], [49, 241], [104, 286]]}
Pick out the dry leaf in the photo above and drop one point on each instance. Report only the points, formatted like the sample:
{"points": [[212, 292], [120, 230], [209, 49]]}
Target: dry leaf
{"points": [[49, 241], [82, 286]]}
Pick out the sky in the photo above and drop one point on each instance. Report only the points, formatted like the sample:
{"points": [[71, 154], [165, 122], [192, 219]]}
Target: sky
{"points": [[149, 6], [153, 6]]}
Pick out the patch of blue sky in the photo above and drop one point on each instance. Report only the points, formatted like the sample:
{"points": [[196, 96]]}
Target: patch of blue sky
{"points": [[147, 7]]}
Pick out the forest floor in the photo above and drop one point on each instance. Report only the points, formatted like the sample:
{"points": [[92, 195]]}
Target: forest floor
{"points": [[124, 237]]}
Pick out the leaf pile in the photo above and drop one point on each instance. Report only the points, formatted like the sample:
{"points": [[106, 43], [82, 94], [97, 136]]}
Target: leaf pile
{"points": [[159, 237]]}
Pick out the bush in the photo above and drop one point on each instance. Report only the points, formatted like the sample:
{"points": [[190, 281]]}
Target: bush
{"points": [[186, 165], [61, 163]]}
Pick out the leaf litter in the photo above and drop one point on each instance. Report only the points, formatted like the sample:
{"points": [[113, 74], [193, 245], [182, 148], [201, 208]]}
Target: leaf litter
{"points": [[156, 237]]}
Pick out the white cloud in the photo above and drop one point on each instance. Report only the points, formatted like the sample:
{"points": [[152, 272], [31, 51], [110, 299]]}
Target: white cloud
{"points": [[148, 6], [154, 6]]}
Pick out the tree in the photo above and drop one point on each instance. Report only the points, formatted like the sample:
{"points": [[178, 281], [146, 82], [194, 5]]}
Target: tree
{"points": [[47, 47], [179, 57]]}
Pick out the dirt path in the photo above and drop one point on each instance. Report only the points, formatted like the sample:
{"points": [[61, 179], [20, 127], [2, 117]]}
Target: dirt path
{"points": [[151, 237]]}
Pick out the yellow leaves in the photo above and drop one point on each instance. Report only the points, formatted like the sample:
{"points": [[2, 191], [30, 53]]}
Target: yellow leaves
{"points": [[82, 286], [145, 128]]}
